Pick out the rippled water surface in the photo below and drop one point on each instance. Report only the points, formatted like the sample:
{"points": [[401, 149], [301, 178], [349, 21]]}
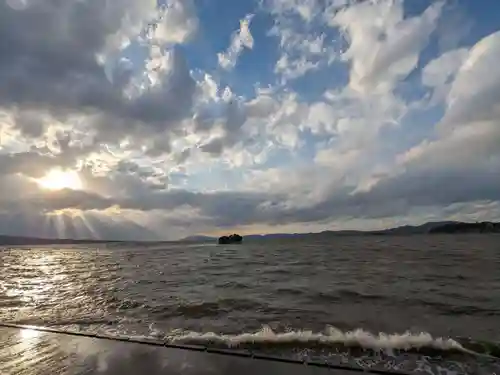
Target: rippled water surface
{"points": [[326, 299]]}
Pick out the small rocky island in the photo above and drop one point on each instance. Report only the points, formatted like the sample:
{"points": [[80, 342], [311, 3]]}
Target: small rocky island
{"points": [[233, 238]]}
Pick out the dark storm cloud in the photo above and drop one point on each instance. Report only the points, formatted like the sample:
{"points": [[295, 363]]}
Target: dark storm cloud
{"points": [[48, 63]]}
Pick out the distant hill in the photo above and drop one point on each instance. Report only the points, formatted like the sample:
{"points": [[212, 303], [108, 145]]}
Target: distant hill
{"points": [[482, 227], [440, 227], [414, 229], [426, 228]]}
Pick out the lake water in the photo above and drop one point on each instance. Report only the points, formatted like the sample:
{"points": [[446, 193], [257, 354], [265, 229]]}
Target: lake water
{"points": [[415, 303]]}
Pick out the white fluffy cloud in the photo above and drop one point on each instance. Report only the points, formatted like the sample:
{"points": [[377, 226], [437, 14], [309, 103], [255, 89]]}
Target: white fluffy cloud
{"points": [[460, 163], [177, 22], [475, 93], [439, 73], [303, 46], [469, 131], [383, 45], [240, 39], [307, 10]]}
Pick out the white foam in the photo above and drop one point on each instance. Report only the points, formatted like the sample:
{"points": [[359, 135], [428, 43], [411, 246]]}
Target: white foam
{"points": [[331, 336]]}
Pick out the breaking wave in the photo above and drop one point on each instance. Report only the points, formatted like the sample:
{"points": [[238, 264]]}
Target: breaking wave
{"points": [[330, 337], [409, 352]]}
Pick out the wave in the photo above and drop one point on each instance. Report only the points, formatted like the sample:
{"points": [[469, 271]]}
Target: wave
{"points": [[408, 352], [331, 337]]}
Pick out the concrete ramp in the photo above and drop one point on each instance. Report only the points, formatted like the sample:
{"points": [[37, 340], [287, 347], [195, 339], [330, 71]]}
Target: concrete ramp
{"points": [[42, 351]]}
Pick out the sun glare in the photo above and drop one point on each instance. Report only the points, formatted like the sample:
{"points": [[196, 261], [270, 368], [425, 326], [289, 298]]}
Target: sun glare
{"points": [[58, 179]]}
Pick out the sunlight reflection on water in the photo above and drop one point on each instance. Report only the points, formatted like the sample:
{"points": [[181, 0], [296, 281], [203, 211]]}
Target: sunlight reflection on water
{"points": [[28, 334], [389, 286]]}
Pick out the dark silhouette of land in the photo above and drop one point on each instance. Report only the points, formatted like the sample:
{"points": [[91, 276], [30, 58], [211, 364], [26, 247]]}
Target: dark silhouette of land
{"points": [[483, 227], [439, 227], [233, 238], [442, 227]]}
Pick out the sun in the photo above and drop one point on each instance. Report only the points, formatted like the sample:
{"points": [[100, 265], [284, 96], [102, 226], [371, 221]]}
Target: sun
{"points": [[58, 179]]}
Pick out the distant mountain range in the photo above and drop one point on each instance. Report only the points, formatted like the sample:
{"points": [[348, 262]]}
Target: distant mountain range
{"points": [[440, 227], [427, 228]]}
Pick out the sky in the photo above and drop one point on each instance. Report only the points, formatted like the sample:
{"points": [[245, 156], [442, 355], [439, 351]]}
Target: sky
{"points": [[146, 120]]}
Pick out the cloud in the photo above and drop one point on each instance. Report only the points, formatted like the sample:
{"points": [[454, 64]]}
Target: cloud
{"points": [[365, 114], [440, 72], [475, 93], [235, 122], [383, 45], [461, 164], [240, 39], [469, 132], [307, 10], [178, 22], [54, 67], [303, 40], [261, 107]]}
